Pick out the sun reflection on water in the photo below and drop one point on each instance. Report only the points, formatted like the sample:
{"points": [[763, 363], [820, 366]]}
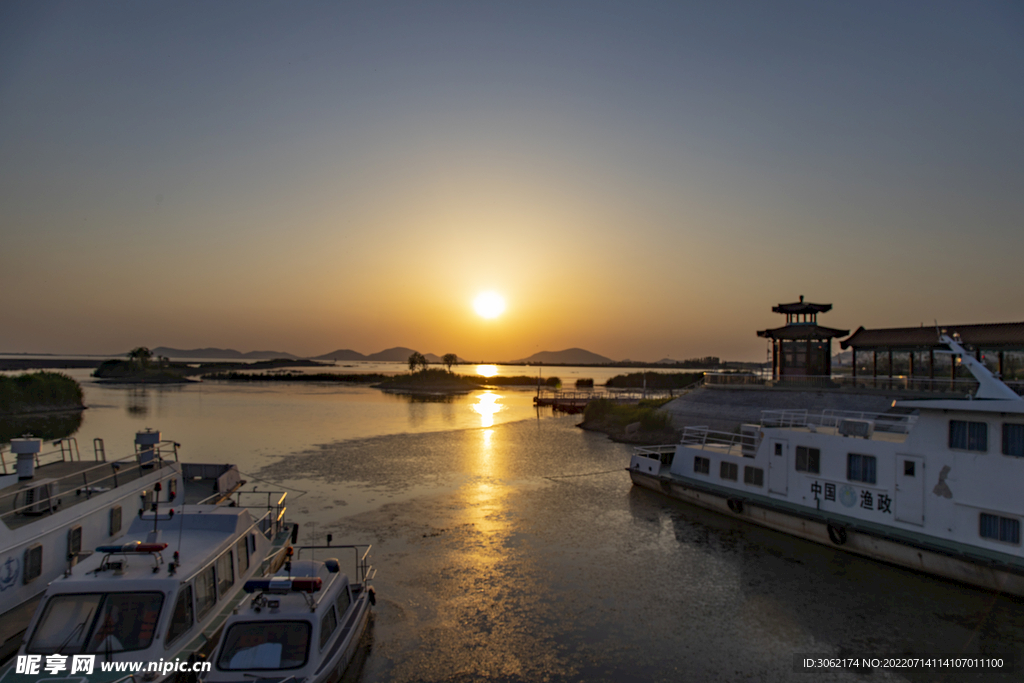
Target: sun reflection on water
{"points": [[487, 370], [487, 405]]}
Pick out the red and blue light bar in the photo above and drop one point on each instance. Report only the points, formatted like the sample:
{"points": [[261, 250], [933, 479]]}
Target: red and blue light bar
{"points": [[134, 547], [283, 585]]}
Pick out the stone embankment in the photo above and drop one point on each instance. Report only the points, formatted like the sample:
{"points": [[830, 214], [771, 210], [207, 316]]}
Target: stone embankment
{"points": [[726, 409]]}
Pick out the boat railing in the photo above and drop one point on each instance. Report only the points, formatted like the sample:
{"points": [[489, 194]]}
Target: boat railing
{"points": [[654, 452], [364, 570], [784, 418], [42, 495], [64, 450], [272, 522], [893, 423], [729, 442]]}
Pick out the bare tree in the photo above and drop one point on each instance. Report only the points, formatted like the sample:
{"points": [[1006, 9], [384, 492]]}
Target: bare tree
{"points": [[417, 359], [450, 359]]}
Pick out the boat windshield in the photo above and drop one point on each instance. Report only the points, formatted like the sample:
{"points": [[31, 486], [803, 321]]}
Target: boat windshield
{"points": [[265, 645], [97, 623]]}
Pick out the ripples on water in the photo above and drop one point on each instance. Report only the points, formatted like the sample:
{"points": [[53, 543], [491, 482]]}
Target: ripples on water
{"points": [[522, 552], [512, 546]]}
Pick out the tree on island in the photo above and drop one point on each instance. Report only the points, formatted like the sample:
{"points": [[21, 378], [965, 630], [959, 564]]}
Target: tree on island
{"points": [[140, 356], [450, 359], [417, 359]]}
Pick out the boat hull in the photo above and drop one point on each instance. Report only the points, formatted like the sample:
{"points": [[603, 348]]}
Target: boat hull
{"points": [[840, 537]]}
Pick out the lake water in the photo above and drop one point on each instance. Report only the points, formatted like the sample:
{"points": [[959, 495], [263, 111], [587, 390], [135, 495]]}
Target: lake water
{"points": [[511, 545]]}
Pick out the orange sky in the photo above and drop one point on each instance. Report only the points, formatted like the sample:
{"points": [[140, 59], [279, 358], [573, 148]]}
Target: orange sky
{"points": [[641, 181]]}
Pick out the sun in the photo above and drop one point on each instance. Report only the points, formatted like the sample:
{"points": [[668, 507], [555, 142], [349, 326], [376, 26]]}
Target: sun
{"points": [[489, 304]]}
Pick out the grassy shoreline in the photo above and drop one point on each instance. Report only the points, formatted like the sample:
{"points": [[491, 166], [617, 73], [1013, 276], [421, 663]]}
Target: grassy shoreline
{"points": [[642, 423], [39, 392]]}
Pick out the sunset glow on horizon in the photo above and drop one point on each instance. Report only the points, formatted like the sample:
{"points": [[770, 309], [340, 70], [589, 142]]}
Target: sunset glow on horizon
{"points": [[640, 180]]}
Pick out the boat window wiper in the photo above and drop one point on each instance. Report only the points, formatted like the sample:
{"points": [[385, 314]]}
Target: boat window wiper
{"points": [[77, 629]]}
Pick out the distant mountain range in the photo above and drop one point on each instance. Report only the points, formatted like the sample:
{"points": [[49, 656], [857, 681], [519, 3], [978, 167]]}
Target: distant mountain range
{"points": [[397, 354], [218, 354], [566, 357]]}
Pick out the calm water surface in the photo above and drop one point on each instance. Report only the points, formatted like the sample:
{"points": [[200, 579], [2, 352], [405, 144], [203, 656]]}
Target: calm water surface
{"points": [[511, 545]]}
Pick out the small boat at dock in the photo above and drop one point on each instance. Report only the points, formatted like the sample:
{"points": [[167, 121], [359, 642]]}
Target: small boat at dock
{"points": [[931, 485], [302, 625]]}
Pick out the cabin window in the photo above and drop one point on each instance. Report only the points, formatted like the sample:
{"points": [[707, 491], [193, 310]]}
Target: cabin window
{"points": [[343, 602], [206, 591], [265, 646], [729, 470], [74, 541], [998, 528], [243, 555], [33, 562], [97, 623], [861, 468], [225, 573], [908, 468], [807, 459], [968, 436], [701, 465], [126, 621], [327, 626], [753, 476], [181, 620], [115, 519], [1013, 439]]}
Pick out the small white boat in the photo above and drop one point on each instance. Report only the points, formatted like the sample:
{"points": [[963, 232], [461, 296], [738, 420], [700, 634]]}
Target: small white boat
{"points": [[56, 506], [158, 595], [301, 626], [933, 486]]}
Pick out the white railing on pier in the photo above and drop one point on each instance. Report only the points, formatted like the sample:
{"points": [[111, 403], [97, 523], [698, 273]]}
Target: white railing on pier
{"points": [[611, 395]]}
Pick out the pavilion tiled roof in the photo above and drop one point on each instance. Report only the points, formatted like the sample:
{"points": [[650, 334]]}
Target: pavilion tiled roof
{"points": [[802, 307], [802, 332], [987, 335]]}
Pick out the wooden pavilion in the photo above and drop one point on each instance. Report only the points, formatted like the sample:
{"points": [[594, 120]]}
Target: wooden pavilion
{"points": [[919, 343], [802, 348]]}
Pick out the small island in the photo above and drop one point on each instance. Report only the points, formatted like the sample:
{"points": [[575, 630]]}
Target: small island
{"points": [[143, 367]]}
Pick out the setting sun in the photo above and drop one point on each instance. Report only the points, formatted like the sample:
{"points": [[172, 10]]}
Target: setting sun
{"points": [[489, 304]]}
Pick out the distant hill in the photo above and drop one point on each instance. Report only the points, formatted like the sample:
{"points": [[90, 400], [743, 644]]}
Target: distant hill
{"points": [[567, 357], [341, 354], [392, 355], [219, 354]]}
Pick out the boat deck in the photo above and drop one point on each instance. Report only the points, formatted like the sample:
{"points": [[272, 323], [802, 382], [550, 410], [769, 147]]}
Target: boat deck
{"points": [[75, 482], [891, 437]]}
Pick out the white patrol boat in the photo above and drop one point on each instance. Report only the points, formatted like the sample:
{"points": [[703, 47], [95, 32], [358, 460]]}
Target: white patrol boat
{"points": [[934, 486], [55, 507], [158, 595], [301, 626]]}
